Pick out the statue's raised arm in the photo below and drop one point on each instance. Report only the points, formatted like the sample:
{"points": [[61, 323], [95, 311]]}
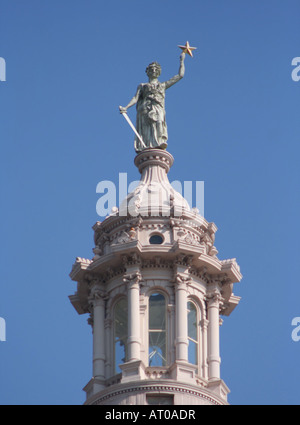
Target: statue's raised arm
{"points": [[180, 74], [151, 127]]}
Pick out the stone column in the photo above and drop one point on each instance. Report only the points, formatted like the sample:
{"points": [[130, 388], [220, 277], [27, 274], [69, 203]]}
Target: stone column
{"points": [[213, 305], [204, 325], [143, 331], [181, 339], [134, 340], [171, 336], [108, 333], [98, 304]]}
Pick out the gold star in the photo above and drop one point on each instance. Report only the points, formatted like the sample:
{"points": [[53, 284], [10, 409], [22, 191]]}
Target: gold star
{"points": [[187, 49]]}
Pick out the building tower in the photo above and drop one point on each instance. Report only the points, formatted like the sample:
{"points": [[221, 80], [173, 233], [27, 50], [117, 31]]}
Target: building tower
{"points": [[155, 288], [155, 291]]}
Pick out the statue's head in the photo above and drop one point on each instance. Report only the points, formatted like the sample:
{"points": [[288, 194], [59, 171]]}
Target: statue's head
{"points": [[153, 69]]}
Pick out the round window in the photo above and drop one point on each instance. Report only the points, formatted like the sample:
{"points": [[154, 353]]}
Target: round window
{"points": [[156, 240]]}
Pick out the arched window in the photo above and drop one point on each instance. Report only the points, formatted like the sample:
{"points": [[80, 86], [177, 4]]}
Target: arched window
{"points": [[120, 333], [192, 333], [157, 330]]}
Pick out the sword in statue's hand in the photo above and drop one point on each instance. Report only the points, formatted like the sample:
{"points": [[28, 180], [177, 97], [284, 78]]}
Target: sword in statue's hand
{"points": [[124, 113]]}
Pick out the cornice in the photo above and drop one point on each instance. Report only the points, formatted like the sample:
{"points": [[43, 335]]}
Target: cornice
{"points": [[162, 385]]}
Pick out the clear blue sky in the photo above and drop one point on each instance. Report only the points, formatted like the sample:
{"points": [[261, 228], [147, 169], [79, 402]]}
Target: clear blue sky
{"points": [[233, 122]]}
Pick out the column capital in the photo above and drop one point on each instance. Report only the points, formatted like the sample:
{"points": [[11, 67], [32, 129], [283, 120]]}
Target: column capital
{"points": [[132, 278], [181, 280], [97, 295], [214, 298]]}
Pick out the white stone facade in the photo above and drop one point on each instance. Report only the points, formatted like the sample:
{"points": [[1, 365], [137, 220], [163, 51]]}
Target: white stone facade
{"points": [[156, 300]]}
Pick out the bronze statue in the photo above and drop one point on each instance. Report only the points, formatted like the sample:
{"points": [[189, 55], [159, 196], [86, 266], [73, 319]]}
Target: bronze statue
{"points": [[151, 128]]}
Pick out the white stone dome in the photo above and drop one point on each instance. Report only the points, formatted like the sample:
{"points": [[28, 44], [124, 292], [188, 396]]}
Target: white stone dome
{"points": [[154, 195]]}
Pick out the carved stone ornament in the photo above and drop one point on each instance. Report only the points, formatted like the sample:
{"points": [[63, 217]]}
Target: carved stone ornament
{"points": [[126, 236], [97, 293], [181, 279], [191, 239], [214, 297], [83, 260], [184, 260], [92, 279], [181, 233], [132, 278], [90, 319], [213, 251], [129, 260], [98, 252]]}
